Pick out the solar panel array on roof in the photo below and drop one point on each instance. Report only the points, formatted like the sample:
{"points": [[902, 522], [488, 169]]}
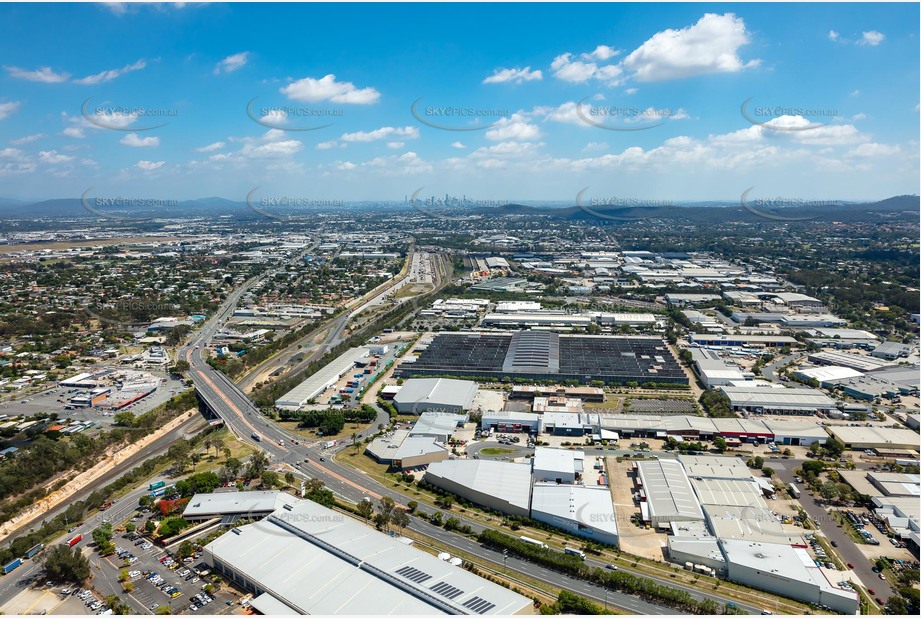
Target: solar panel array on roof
{"points": [[480, 606], [447, 590], [618, 356], [413, 574]]}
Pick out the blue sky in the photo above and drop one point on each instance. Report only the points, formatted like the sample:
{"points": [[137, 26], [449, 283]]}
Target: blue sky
{"points": [[631, 100]]}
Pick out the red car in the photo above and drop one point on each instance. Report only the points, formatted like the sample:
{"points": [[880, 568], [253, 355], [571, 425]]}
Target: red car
{"points": [[850, 565], [871, 591]]}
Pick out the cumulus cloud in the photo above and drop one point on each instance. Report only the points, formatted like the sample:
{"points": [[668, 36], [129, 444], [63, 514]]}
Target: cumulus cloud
{"points": [[211, 147], [8, 108], [52, 157], [395, 145], [872, 149], [312, 90], [380, 134], [709, 46], [107, 76], [458, 145], [871, 38], [149, 166], [578, 71], [28, 139], [516, 127], [516, 76], [833, 36], [44, 75], [231, 63], [136, 141]]}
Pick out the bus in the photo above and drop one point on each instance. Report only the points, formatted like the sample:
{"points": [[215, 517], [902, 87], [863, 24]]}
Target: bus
{"points": [[156, 485], [530, 541], [794, 490], [572, 551]]}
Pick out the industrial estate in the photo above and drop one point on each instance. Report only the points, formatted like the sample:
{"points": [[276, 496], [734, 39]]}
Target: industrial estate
{"points": [[422, 405]]}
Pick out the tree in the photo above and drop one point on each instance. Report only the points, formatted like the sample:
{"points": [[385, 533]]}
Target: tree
{"points": [[720, 443], [258, 462], [269, 479], [829, 490], [179, 455], [400, 519], [233, 466], [186, 549], [767, 471], [365, 509], [758, 462], [150, 526], [385, 511], [66, 564], [124, 419]]}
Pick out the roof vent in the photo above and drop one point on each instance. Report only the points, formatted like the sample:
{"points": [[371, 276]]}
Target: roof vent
{"points": [[236, 531], [289, 507]]}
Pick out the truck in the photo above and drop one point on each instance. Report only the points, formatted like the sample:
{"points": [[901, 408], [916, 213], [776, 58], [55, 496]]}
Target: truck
{"points": [[572, 551], [794, 490], [156, 485], [75, 540], [106, 505], [12, 565], [34, 550], [157, 492], [530, 541]]}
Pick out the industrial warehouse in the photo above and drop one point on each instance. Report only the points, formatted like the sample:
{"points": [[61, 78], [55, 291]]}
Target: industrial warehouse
{"points": [[308, 559], [544, 355]]}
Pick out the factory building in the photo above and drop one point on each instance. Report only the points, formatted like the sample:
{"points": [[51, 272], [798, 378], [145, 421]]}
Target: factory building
{"points": [[544, 355], [505, 421], [582, 511], [435, 394], [666, 495], [765, 400], [862, 438], [784, 570], [325, 377], [498, 485], [556, 465], [744, 341], [232, 506], [308, 559], [714, 371]]}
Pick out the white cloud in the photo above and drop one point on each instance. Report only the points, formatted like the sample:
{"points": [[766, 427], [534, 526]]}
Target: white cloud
{"points": [[568, 69], [210, 147], [28, 139], [517, 76], [52, 157], [395, 145], [45, 75], [458, 145], [312, 90], [107, 76], [231, 63], [709, 46], [136, 141], [595, 146], [75, 132], [329, 145], [566, 112], [12, 153], [871, 38], [380, 134], [872, 149], [834, 36], [6, 109], [149, 166], [631, 90], [516, 127], [602, 52]]}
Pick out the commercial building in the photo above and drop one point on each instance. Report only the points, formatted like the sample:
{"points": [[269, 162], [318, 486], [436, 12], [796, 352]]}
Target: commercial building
{"points": [[499, 485], [685, 300], [308, 559], [231, 506], [313, 386], [827, 375], [728, 492], [896, 485], [860, 362], [714, 371], [544, 355], [585, 393], [744, 341], [795, 432], [557, 465], [760, 400], [438, 425], [787, 571], [505, 421], [569, 424], [435, 394], [874, 437], [749, 523], [666, 495], [419, 451], [891, 350], [712, 467], [587, 512]]}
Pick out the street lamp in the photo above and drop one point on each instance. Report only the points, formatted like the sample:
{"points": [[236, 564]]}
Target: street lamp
{"points": [[505, 558]]}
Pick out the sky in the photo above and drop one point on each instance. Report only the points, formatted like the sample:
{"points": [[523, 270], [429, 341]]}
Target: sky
{"points": [[510, 102]]}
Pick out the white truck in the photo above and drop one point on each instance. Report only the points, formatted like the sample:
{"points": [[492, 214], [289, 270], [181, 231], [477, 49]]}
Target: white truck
{"points": [[530, 541]]}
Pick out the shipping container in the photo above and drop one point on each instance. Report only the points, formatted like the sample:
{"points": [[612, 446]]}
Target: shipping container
{"points": [[12, 565], [75, 540]]}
